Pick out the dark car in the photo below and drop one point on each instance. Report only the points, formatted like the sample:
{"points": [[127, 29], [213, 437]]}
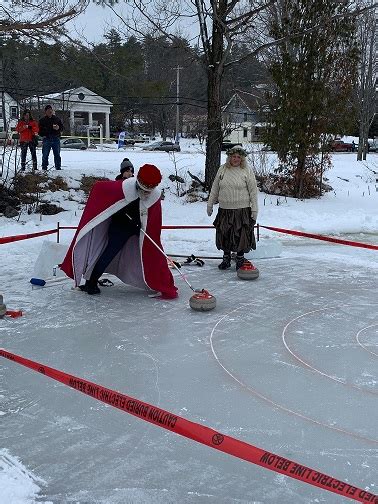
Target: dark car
{"points": [[72, 143], [227, 144], [372, 146], [163, 146], [341, 146]]}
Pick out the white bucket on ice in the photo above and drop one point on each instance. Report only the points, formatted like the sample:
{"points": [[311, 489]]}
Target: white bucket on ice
{"points": [[50, 255]]}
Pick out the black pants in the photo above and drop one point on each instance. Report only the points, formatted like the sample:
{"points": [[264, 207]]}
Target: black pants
{"points": [[118, 235], [24, 149]]}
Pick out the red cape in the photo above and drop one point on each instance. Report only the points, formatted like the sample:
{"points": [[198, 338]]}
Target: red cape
{"points": [[139, 263]]}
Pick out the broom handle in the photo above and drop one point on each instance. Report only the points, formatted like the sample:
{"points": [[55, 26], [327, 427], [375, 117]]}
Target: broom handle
{"points": [[164, 254]]}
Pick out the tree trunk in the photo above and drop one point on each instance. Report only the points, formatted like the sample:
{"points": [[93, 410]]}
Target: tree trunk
{"points": [[300, 174], [214, 127], [215, 68]]}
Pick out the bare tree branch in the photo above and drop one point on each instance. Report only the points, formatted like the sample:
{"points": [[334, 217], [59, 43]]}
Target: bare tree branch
{"points": [[36, 19]]}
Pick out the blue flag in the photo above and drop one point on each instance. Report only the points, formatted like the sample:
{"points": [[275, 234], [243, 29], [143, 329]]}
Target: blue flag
{"points": [[121, 139]]}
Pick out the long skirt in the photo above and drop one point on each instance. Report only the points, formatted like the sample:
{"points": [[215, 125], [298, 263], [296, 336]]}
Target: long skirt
{"points": [[235, 230]]}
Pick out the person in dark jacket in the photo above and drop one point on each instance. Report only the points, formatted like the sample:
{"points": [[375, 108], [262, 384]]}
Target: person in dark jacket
{"points": [[27, 128], [50, 128], [126, 170]]}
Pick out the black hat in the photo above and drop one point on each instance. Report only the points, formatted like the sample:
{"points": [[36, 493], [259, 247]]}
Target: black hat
{"points": [[48, 107], [126, 165]]}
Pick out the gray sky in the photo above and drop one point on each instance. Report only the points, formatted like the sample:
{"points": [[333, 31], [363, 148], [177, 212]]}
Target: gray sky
{"points": [[94, 22]]}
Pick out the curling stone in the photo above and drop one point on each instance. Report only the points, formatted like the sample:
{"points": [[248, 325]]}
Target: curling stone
{"points": [[3, 308], [248, 271], [202, 301]]}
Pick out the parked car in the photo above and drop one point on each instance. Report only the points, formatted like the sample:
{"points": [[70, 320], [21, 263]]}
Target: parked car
{"points": [[139, 138], [341, 146], [227, 144], [9, 137], [163, 146], [72, 143], [129, 141], [372, 146]]}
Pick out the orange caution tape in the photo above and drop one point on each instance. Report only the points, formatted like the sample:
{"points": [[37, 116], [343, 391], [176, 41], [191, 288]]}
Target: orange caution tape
{"points": [[199, 433]]}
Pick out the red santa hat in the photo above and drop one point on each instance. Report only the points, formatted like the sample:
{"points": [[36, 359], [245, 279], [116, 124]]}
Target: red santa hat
{"points": [[148, 177]]}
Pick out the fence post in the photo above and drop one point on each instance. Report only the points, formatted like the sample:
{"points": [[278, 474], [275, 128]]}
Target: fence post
{"points": [[57, 232], [258, 232]]}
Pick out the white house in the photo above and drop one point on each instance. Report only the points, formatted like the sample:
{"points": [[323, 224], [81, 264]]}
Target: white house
{"points": [[241, 118], [11, 112], [81, 106]]}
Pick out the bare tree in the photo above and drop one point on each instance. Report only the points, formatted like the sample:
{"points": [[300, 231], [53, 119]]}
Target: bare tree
{"points": [[37, 19], [218, 25], [366, 77]]}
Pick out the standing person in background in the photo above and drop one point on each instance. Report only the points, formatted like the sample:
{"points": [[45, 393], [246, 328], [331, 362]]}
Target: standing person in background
{"points": [[235, 189], [126, 170], [50, 128], [28, 131]]}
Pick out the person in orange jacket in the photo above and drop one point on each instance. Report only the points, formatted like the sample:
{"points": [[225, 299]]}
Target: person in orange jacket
{"points": [[28, 129]]}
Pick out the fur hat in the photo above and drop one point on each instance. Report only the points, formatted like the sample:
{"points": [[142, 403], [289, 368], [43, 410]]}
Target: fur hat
{"points": [[148, 177], [126, 165], [237, 150]]}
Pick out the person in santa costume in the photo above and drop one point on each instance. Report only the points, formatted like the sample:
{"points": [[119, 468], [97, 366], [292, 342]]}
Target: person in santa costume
{"points": [[109, 237]]}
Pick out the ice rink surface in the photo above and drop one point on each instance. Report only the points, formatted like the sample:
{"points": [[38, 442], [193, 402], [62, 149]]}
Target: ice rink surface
{"points": [[287, 363]]}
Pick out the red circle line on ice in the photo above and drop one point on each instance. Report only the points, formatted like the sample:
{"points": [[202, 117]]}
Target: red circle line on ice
{"points": [[316, 370], [268, 399]]}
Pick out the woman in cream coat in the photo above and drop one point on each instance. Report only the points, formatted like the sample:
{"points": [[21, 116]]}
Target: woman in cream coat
{"points": [[235, 189]]}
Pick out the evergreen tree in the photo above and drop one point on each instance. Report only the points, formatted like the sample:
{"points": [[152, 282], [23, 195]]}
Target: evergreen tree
{"points": [[314, 75]]}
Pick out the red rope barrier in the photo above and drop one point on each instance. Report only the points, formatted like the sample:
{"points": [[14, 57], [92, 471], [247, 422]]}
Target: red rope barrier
{"points": [[321, 237], [9, 239], [313, 236]]}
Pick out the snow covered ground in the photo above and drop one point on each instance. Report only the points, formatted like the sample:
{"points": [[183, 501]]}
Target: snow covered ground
{"points": [[287, 363]]}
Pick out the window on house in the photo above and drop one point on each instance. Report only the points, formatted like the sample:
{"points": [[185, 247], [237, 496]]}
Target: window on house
{"points": [[257, 132], [245, 117], [13, 112], [245, 132]]}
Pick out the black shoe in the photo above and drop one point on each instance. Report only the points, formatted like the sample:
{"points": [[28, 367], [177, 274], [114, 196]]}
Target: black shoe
{"points": [[93, 289], [90, 288], [239, 261], [58, 168], [226, 262]]}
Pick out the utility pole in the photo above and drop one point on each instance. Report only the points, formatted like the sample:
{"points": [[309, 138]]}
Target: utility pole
{"points": [[178, 68], [2, 92], [5, 129]]}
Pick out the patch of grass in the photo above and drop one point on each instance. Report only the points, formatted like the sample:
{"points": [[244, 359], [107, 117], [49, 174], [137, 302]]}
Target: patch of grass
{"points": [[30, 183], [57, 184], [87, 182]]}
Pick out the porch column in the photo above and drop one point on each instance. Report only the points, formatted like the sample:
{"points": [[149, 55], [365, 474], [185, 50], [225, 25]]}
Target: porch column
{"points": [[90, 119], [107, 125], [72, 122]]}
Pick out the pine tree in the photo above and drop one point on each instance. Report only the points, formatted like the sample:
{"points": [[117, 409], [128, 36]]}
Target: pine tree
{"points": [[314, 76]]}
